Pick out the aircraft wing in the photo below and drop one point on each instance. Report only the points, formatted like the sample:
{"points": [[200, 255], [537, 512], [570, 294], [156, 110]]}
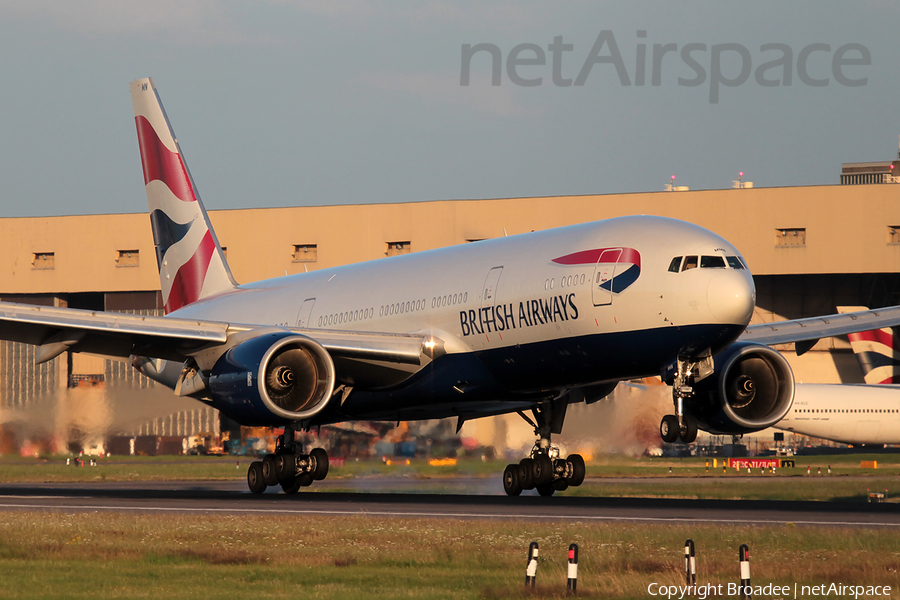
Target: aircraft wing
{"points": [[56, 330], [806, 332]]}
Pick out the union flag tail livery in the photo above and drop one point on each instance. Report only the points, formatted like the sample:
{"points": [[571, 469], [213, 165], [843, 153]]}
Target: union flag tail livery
{"points": [[191, 264], [875, 351]]}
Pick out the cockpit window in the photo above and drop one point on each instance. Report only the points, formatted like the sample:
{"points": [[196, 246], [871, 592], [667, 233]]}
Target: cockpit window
{"points": [[675, 264], [690, 262], [712, 262], [734, 262]]}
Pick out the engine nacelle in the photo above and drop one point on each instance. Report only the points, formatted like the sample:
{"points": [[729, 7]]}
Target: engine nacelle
{"points": [[752, 388], [272, 379]]}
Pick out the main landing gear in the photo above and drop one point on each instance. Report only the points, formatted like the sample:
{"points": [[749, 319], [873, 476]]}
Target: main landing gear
{"points": [[544, 469], [288, 466]]}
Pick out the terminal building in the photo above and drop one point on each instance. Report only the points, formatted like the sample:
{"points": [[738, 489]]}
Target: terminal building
{"points": [[811, 249]]}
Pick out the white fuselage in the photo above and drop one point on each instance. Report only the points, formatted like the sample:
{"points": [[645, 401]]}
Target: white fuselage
{"points": [[438, 291], [852, 414]]}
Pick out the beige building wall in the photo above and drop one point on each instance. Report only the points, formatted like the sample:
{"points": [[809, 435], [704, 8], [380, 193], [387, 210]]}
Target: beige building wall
{"points": [[847, 231]]}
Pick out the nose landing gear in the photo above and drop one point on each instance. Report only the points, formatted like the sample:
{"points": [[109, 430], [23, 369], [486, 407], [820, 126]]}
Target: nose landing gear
{"points": [[680, 425]]}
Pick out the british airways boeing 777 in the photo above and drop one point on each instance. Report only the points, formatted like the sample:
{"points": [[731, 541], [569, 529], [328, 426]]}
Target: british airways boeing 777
{"points": [[526, 323]]}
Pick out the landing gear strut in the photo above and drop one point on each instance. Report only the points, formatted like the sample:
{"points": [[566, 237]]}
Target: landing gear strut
{"points": [[288, 467], [543, 469], [682, 426]]}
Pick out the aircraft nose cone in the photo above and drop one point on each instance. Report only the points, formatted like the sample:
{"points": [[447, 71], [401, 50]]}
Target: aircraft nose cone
{"points": [[731, 297]]}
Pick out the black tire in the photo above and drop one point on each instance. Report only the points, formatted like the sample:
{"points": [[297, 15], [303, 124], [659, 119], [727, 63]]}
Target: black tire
{"points": [[526, 481], [689, 431], [269, 471], [545, 489], [560, 485], [320, 457], [578, 470], [668, 429], [285, 467], [291, 487], [255, 478], [304, 479], [511, 480], [541, 470]]}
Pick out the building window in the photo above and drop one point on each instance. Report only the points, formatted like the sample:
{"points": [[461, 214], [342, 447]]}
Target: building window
{"points": [[128, 258], [395, 248], [893, 234], [790, 237], [43, 260], [305, 253]]}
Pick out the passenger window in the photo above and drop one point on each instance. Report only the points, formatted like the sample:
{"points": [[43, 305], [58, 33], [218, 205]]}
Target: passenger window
{"points": [[675, 264], [734, 262], [712, 262], [690, 262]]}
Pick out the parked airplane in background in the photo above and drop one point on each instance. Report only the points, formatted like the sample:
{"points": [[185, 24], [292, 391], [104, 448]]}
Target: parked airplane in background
{"points": [[531, 322], [862, 415]]}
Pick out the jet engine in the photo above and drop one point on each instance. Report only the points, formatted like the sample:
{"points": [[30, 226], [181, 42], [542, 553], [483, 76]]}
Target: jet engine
{"points": [[272, 379], [752, 388]]}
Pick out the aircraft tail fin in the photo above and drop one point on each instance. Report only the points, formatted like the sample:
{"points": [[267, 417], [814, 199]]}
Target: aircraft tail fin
{"points": [[191, 263], [876, 351]]}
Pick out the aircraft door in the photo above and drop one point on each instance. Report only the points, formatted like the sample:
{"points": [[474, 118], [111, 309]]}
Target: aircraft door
{"points": [[305, 311], [489, 293], [603, 274]]}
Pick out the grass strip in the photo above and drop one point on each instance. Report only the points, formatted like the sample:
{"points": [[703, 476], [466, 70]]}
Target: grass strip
{"points": [[50, 555]]}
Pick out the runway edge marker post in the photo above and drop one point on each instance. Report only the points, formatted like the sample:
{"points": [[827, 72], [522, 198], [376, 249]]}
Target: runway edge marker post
{"points": [[572, 581], [744, 555], [690, 563], [531, 566]]}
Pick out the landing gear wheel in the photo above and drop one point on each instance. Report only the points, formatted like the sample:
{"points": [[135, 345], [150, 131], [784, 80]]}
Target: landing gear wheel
{"points": [[577, 463], [304, 479], [689, 431], [269, 471], [284, 466], [668, 429], [541, 470], [526, 481], [560, 485], [291, 486], [320, 458], [511, 480], [545, 489], [255, 478]]}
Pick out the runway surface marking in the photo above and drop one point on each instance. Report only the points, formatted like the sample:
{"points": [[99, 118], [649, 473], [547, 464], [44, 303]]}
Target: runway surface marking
{"points": [[437, 515]]}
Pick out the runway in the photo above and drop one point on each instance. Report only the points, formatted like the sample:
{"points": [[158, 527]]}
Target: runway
{"points": [[232, 498]]}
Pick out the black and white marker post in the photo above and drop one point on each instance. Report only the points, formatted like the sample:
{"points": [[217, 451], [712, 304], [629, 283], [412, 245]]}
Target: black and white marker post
{"points": [[690, 563], [531, 568], [744, 555], [572, 581]]}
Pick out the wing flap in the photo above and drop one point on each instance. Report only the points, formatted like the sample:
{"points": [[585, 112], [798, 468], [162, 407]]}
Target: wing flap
{"points": [[814, 328]]}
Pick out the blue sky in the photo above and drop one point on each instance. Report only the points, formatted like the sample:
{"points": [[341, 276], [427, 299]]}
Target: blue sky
{"points": [[292, 103]]}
